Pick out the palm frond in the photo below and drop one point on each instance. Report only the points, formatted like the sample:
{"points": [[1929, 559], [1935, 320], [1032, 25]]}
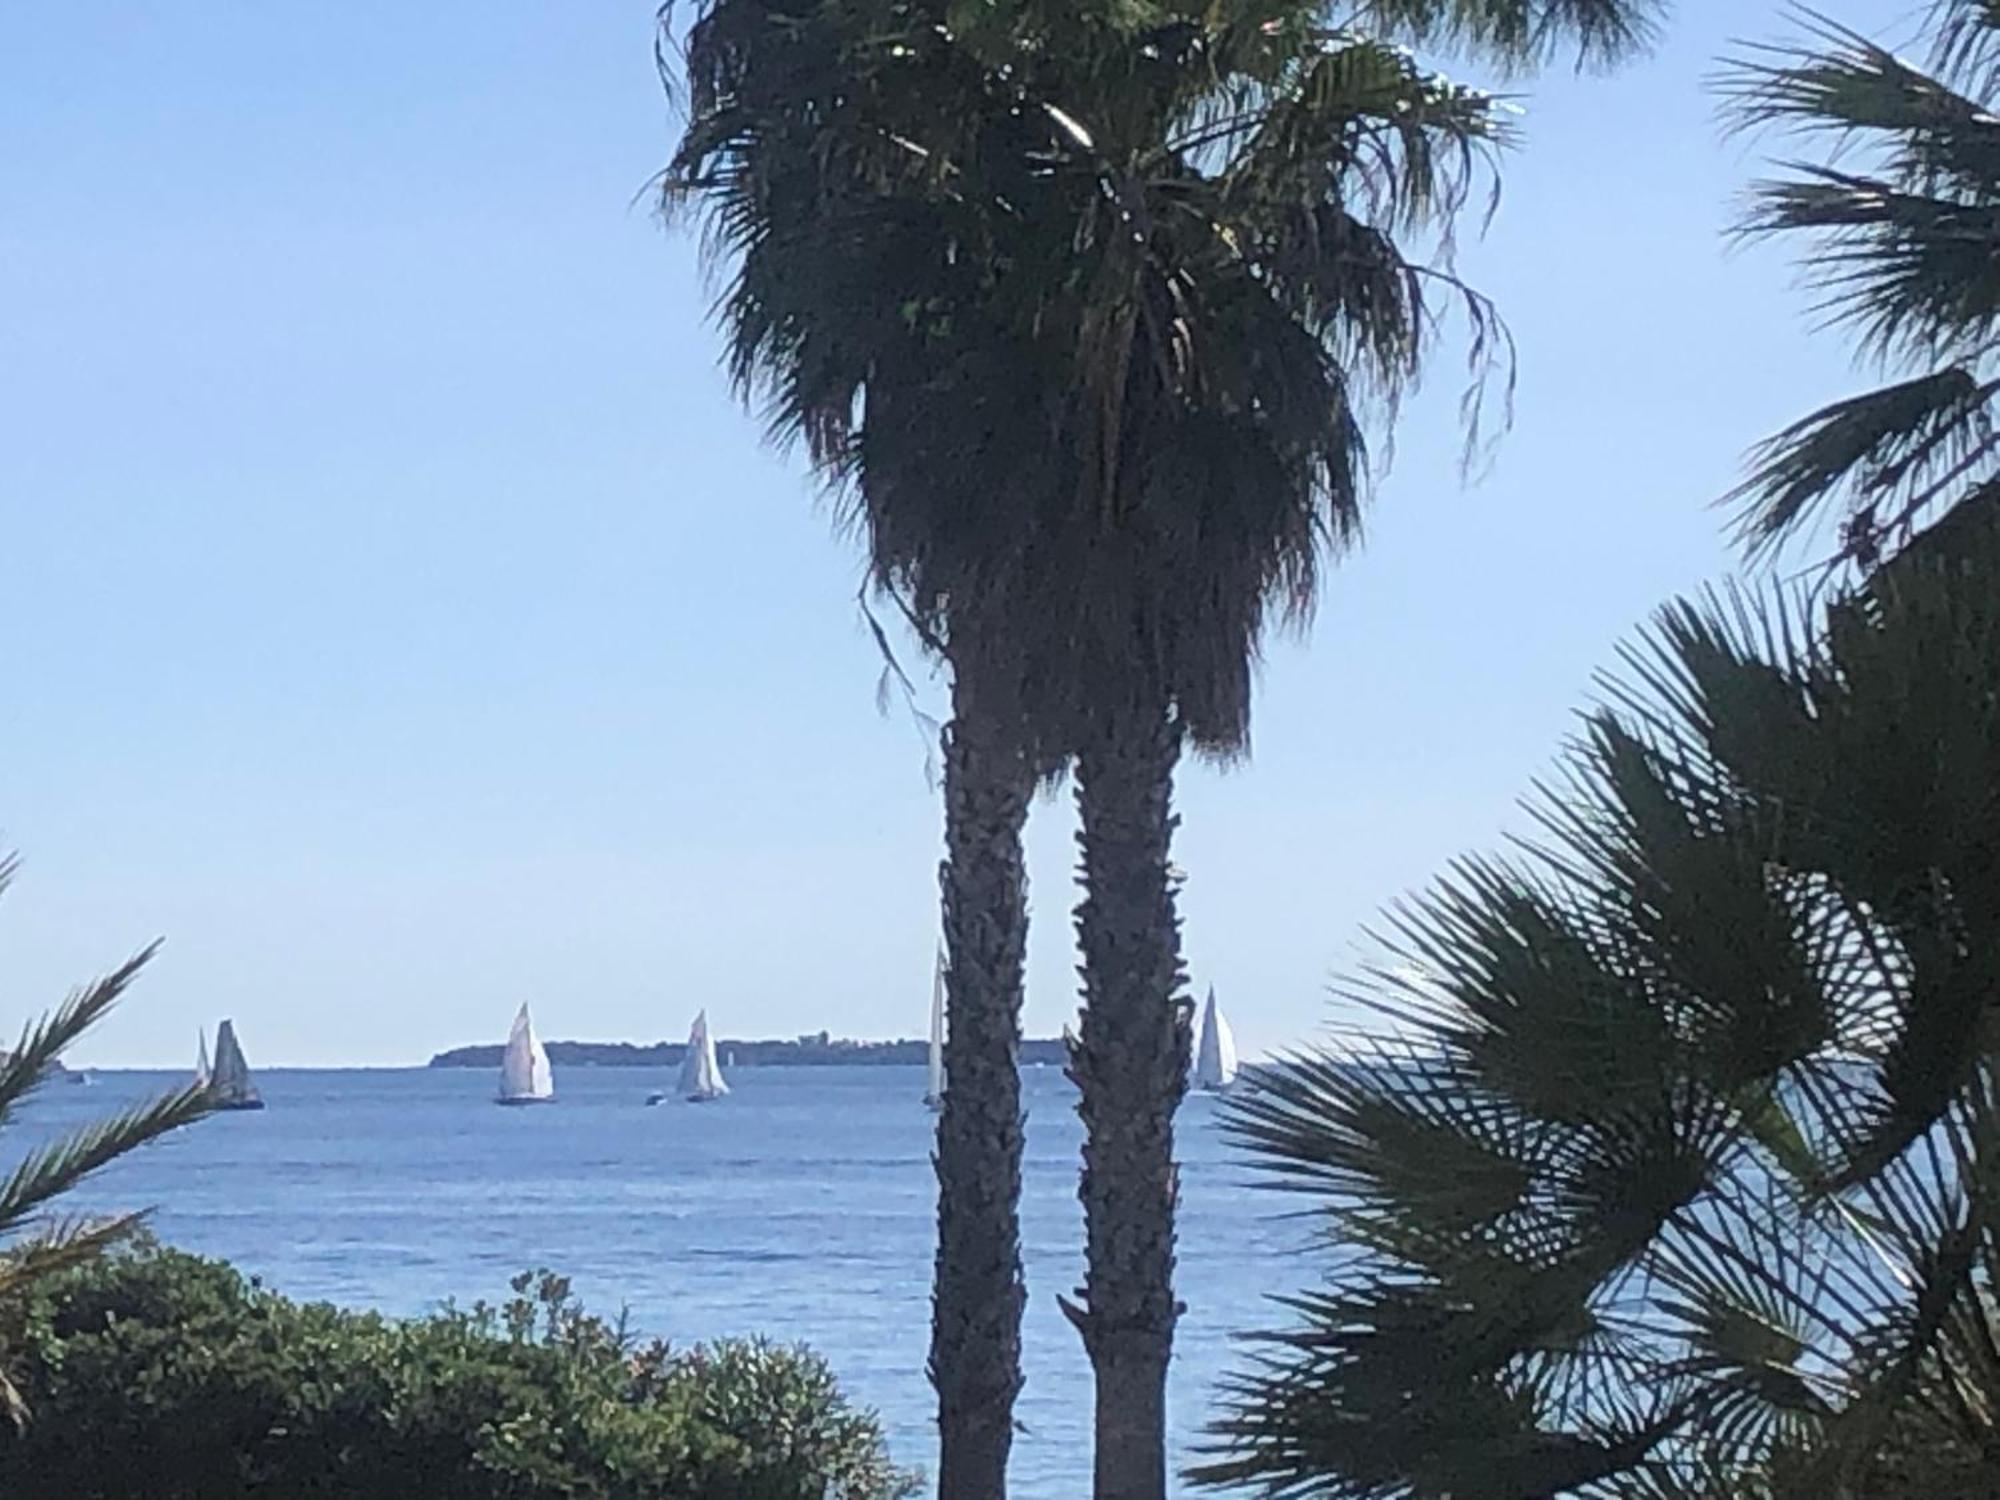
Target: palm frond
{"points": [[43, 1174], [43, 1042], [52, 1170], [1519, 33], [1900, 222], [1892, 456], [1966, 42], [1911, 274], [1833, 82], [1679, 1176], [1088, 319]]}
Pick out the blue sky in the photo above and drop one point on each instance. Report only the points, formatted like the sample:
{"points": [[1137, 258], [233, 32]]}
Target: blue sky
{"points": [[401, 620]]}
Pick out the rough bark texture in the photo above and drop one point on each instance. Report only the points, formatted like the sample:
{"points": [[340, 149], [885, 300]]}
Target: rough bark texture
{"points": [[975, 1361], [1129, 1060]]}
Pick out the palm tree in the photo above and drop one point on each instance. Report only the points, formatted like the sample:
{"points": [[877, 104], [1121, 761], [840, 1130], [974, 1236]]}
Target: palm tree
{"points": [[1674, 1172], [1214, 267], [848, 293], [1900, 226], [1083, 316], [1211, 418], [1682, 1174], [46, 1173]]}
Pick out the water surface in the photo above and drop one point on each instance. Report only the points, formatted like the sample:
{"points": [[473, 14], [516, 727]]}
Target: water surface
{"points": [[800, 1206]]}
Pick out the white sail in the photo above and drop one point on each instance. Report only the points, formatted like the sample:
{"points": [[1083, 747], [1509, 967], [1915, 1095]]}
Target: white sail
{"points": [[934, 1080], [201, 1068], [1215, 1062], [525, 1075], [701, 1078], [229, 1084]]}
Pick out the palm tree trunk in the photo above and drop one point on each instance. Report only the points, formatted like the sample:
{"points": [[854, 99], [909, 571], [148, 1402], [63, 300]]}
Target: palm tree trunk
{"points": [[975, 1361], [1129, 1061]]}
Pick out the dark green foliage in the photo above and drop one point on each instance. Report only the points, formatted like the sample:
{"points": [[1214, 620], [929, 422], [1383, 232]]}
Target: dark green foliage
{"points": [[1084, 310], [1683, 1175], [1901, 220], [1085, 313], [161, 1375]]}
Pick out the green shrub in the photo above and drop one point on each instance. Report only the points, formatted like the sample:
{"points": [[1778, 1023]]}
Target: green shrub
{"points": [[156, 1374]]}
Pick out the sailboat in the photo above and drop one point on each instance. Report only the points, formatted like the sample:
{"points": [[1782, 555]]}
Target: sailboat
{"points": [[229, 1085], [934, 1079], [525, 1075], [1215, 1061], [201, 1067], [701, 1079]]}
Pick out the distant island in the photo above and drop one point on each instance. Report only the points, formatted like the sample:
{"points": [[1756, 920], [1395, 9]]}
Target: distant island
{"points": [[819, 1051]]}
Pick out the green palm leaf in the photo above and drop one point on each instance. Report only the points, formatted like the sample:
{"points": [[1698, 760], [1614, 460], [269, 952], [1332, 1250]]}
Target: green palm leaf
{"points": [[43, 1175], [46, 1174], [1901, 224], [1680, 1177], [43, 1042]]}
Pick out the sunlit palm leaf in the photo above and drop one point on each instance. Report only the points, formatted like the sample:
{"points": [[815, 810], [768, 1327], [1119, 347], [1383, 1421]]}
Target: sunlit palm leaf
{"points": [[1518, 31], [45, 1174]]}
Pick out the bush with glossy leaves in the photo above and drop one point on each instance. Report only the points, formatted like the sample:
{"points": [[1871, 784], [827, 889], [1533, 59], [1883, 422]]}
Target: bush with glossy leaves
{"points": [[157, 1373]]}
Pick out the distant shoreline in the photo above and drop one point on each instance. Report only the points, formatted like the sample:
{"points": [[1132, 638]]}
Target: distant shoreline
{"points": [[54, 1067], [820, 1051]]}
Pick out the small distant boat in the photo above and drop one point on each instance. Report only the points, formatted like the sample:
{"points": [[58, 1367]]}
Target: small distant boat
{"points": [[1215, 1061], [229, 1085], [525, 1075], [201, 1068], [701, 1078], [934, 1077]]}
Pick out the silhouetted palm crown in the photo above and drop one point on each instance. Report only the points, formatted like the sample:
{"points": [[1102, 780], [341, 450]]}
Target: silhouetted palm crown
{"points": [[1084, 310]]}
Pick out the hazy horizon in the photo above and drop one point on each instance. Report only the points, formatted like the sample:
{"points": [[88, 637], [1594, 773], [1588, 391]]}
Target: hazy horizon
{"points": [[407, 625], [722, 1039]]}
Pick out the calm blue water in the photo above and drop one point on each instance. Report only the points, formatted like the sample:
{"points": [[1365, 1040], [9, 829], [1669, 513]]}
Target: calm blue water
{"points": [[800, 1207]]}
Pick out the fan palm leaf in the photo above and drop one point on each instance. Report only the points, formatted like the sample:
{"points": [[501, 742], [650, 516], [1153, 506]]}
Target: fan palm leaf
{"points": [[1901, 221], [1681, 1179]]}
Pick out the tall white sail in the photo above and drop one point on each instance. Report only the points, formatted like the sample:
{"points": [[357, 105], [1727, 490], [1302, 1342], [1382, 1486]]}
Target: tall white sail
{"points": [[701, 1078], [229, 1085], [934, 1080], [201, 1068], [525, 1075], [1215, 1062]]}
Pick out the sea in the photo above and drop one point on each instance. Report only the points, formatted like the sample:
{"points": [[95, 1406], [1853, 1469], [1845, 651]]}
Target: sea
{"points": [[799, 1207]]}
